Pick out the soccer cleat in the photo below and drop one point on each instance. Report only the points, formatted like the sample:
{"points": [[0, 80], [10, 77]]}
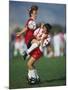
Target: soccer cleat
{"points": [[25, 55], [31, 81], [37, 80]]}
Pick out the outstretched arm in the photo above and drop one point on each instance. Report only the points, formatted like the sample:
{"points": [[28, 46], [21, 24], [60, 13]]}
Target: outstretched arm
{"points": [[22, 31]]}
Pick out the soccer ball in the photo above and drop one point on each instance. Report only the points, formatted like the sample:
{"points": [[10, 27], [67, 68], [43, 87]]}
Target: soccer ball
{"points": [[32, 25]]}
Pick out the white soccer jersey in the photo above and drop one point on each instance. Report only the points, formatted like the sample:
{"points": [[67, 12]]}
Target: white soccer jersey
{"points": [[47, 40], [38, 33]]}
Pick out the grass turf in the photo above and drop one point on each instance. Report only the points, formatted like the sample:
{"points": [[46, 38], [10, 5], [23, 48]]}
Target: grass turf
{"points": [[52, 72]]}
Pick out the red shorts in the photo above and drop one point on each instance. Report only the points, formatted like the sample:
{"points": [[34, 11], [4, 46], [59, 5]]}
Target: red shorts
{"points": [[36, 54]]}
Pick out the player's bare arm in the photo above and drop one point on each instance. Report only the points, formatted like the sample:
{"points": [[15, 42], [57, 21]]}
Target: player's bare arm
{"points": [[22, 31]]}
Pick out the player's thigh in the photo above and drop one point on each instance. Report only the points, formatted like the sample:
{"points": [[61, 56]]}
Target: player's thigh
{"points": [[35, 41]]}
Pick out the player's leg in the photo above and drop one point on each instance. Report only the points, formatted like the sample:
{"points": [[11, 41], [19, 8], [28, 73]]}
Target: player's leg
{"points": [[31, 68], [16, 47], [37, 76], [21, 51], [34, 44], [32, 72], [23, 47]]}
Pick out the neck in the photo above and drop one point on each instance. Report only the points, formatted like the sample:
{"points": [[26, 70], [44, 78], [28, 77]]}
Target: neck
{"points": [[32, 18]]}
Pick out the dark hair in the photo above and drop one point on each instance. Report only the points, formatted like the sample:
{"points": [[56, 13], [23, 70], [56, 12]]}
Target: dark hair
{"points": [[34, 7], [48, 26], [38, 25]]}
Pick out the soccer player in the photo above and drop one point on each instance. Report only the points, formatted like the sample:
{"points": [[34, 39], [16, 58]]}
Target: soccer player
{"points": [[56, 37], [35, 55], [30, 25]]}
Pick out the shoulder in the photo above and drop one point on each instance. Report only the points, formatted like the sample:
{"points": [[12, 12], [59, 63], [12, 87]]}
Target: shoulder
{"points": [[30, 20]]}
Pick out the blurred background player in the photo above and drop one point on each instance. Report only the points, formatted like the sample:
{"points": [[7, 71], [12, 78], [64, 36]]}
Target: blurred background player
{"points": [[62, 40], [19, 45], [58, 44]]}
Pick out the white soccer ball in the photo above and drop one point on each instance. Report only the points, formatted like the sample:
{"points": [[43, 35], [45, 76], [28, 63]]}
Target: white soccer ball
{"points": [[32, 25]]}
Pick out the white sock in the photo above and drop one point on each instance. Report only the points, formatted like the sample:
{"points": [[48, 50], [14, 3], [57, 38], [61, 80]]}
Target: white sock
{"points": [[33, 46], [36, 73], [31, 73]]}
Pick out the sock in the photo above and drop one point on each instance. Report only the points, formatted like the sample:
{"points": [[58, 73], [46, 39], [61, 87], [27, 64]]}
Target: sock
{"points": [[31, 74], [33, 46], [36, 73]]}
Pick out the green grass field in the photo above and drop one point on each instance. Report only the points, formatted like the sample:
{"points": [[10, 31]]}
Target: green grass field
{"points": [[52, 72]]}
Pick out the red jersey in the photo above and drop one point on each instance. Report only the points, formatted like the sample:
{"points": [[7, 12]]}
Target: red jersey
{"points": [[29, 32]]}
